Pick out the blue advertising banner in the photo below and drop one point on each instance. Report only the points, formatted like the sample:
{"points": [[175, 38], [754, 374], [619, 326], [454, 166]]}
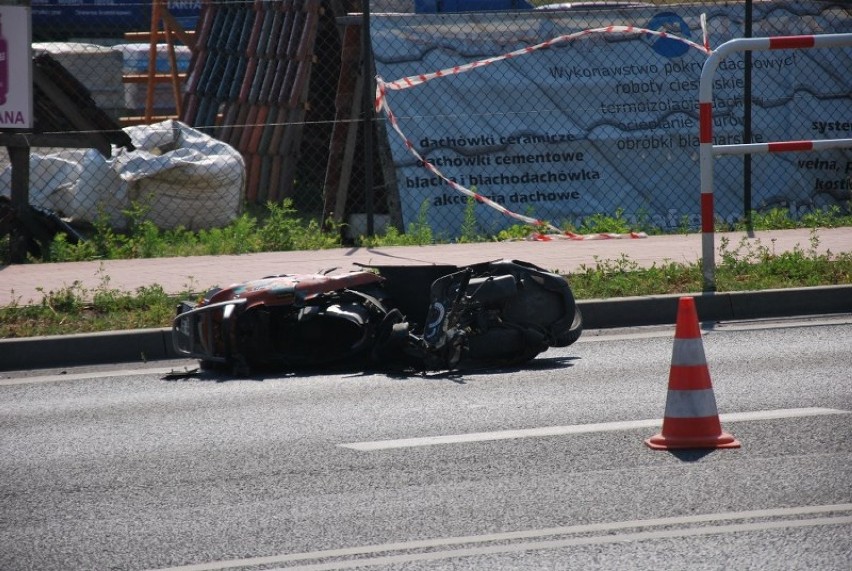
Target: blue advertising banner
{"points": [[607, 122], [105, 17]]}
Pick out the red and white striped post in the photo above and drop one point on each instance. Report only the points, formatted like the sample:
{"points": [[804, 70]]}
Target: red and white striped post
{"points": [[707, 150]]}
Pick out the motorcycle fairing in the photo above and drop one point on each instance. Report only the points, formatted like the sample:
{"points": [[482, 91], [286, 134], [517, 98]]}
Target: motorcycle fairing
{"points": [[249, 321]]}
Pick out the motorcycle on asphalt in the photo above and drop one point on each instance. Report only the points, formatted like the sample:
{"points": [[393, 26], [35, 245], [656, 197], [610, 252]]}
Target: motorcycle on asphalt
{"points": [[420, 317]]}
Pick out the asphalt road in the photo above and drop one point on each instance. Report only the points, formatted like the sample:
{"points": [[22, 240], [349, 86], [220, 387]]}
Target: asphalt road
{"points": [[537, 468]]}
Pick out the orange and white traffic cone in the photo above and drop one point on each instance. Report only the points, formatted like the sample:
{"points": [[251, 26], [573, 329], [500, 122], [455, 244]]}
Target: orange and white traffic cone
{"points": [[691, 419]]}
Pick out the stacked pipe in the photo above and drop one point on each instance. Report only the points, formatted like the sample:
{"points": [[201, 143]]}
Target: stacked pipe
{"points": [[248, 85]]}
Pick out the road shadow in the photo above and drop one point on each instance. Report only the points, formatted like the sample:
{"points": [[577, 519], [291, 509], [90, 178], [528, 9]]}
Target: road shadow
{"points": [[691, 455], [222, 374], [458, 375]]}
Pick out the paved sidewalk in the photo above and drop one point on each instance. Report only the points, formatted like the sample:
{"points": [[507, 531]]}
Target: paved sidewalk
{"points": [[27, 283]]}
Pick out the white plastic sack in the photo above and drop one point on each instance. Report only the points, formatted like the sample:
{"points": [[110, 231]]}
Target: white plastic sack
{"points": [[179, 175], [77, 184], [182, 176]]}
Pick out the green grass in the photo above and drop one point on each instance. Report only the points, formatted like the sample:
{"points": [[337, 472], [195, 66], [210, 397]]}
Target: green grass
{"points": [[75, 309], [276, 227], [279, 227], [747, 266]]}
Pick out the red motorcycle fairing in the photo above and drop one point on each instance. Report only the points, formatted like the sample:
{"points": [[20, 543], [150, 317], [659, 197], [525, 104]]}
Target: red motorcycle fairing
{"points": [[286, 289], [278, 318]]}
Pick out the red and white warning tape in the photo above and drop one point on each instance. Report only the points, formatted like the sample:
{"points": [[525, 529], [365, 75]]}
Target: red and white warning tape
{"points": [[566, 235], [415, 80], [381, 104]]}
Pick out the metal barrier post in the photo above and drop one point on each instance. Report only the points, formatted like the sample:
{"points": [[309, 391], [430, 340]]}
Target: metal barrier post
{"points": [[707, 150]]}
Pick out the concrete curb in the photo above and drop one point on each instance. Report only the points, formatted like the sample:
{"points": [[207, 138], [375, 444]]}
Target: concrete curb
{"points": [[55, 351], [156, 344], [730, 306]]}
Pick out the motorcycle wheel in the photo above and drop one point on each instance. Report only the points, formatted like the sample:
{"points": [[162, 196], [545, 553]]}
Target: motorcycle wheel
{"points": [[574, 331]]}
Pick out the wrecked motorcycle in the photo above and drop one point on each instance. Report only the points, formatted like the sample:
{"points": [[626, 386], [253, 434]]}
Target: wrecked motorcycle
{"points": [[430, 317]]}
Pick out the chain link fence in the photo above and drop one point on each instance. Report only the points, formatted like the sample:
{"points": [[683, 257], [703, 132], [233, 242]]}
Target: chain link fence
{"points": [[495, 112]]}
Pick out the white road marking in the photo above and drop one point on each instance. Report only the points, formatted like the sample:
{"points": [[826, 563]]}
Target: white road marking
{"points": [[577, 429], [535, 538], [562, 543]]}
